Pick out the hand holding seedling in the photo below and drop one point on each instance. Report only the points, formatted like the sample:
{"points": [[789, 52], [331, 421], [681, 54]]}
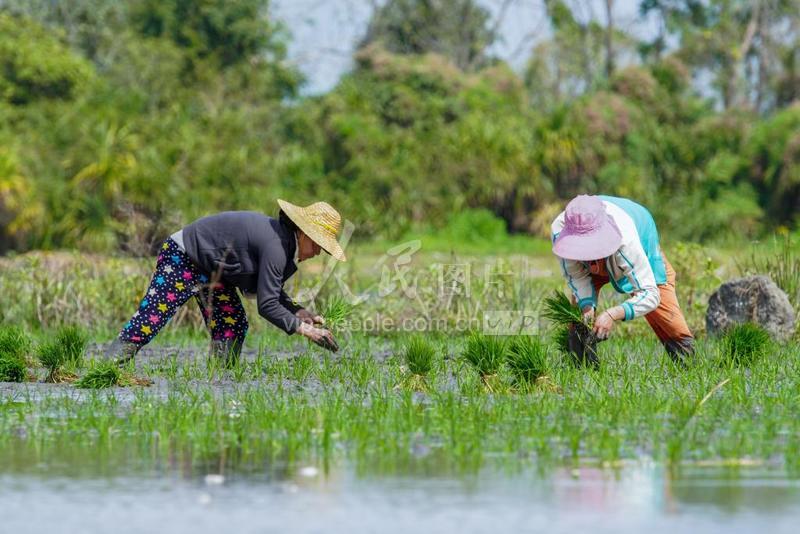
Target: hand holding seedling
{"points": [[320, 336], [309, 318], [588, 315], [604, 323]]}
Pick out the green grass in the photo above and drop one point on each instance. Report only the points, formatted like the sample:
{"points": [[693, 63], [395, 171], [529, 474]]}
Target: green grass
{"points": [[745, 344]]}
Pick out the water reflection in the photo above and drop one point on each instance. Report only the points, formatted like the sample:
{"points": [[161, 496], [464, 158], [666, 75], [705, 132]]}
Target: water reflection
{"points": [[189, 492]]}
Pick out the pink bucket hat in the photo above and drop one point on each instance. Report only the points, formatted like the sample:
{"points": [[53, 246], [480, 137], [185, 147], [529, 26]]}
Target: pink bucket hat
{"points": [[589, 232]]}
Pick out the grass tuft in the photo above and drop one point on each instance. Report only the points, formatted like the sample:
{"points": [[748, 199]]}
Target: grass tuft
{"points": [[744, 344], [527, 359]]}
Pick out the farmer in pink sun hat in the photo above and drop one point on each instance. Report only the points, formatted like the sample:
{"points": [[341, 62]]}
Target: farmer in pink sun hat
{"points": [[604, 239]]}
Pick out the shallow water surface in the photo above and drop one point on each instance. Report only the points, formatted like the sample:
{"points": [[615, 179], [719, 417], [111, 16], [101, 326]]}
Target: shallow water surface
{"points": [[303, 499]]}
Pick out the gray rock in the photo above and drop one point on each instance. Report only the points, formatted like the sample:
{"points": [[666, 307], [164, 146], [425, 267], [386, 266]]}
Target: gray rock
{"points": [[753, 299]]}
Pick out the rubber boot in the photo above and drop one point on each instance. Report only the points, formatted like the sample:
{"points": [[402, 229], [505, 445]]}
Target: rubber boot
{"points": [[120, 352], [680, 350], [226, 350]]}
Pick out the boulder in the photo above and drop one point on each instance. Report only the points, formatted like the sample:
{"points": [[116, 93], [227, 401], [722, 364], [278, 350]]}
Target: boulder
{"points": [[753, 299]]}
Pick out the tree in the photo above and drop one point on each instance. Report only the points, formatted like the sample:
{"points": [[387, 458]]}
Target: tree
{"points": [[36, 65], [456, 29], [748, 47], [232, 31], [580, 56]]}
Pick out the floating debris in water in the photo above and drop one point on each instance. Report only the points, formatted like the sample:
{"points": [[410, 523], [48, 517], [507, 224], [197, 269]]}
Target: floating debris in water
{"points": [[308, 472], [214, 480]]}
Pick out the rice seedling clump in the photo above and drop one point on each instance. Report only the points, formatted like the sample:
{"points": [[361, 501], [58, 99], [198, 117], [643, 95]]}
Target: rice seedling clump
{"points": [[14, 344], [336, 312], [486, 354], [744, 344], [102, 375], [419, 354], [527, 359], [66, 348], [572, 336]]}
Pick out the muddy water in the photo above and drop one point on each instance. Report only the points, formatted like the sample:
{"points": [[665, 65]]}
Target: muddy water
{"points": [[68, 498]]}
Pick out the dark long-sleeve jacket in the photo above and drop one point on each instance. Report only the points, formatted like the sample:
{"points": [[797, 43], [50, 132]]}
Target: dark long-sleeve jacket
{"points": [[252, 252]]}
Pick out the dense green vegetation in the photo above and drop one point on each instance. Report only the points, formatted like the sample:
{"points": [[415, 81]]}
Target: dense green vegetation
{"points": [[120, 121]]}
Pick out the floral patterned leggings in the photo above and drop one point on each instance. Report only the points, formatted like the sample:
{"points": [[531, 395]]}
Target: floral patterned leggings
{"points": [[175, 280]]}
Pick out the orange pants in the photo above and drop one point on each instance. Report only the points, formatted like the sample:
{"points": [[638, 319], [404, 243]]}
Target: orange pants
{"points": [[667, 321]]}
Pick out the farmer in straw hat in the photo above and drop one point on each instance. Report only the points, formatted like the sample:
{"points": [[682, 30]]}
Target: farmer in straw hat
{"points": [[602, 239], [214, 256]]}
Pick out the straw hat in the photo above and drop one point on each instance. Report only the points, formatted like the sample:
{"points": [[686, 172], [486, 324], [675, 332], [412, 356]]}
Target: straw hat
{"points": [[320, 222]]}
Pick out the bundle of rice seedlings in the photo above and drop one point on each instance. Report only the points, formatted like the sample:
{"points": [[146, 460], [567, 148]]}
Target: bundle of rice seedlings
{"points": [[12, 369], [571, 335], [560, 311], [419, 354], [527, 359], [486, 354], [102, 375], [14, 345], [66, 348], [336, 311], [744, 344]]}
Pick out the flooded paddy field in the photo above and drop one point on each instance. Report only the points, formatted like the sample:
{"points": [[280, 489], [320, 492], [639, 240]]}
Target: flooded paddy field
{"points": [[293, 437]]}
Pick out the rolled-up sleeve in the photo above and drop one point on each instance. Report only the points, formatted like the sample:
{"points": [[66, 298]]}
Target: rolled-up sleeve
{"points": [[579, 281], [272, 300], [287, 302], [636, 267]]}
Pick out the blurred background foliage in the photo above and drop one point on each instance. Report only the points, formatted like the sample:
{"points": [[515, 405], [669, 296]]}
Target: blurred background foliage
{"points": [[121, 120]]}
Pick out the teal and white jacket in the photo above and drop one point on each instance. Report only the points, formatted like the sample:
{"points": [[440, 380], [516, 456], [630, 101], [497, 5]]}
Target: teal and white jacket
{"points": [[636, 268]]}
